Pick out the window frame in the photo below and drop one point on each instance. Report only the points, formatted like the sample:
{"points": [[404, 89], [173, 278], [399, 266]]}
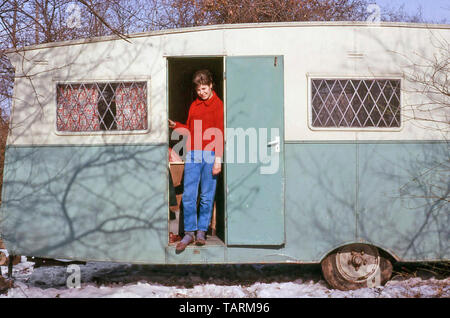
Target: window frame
{"points": [[311, 77], [57, 82]]}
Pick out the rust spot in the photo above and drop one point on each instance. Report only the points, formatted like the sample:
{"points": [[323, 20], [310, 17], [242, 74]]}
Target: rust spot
{"points": [[196, 252]]}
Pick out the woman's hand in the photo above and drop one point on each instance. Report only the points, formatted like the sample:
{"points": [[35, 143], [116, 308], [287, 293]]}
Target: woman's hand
{"points": [[171, 124], [217, 167]]}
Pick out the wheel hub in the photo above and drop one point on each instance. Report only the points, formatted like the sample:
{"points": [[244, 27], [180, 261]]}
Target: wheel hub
{"points": [[357, 262]]}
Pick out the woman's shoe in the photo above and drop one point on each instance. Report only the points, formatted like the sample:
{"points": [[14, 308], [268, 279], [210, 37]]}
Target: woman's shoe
{"points": [[187, 239], [201, 238]]}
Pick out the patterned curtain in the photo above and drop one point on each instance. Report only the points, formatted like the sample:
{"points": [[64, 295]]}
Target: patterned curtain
{"points": [[131, 106], [106, 106], [77, 108]]}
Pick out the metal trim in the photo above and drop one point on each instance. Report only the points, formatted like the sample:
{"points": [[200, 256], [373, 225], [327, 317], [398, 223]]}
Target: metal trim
{"points": [[360, 24]]}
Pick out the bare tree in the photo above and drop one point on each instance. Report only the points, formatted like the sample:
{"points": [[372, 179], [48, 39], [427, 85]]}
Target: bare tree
{"points": [[183, 13], [430, 78], [390, 14]]}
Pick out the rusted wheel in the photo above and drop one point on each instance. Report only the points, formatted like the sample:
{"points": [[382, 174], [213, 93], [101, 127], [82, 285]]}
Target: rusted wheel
{"points": [[5, 284], [356, 266], [17, 259], [3, 259]]}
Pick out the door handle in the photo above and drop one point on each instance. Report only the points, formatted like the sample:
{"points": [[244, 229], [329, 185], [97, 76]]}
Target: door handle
{"points": [[276, 143]]}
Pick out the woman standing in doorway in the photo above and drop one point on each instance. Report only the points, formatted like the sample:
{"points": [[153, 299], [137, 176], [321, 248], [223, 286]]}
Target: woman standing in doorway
{"points": [[204, 128]]}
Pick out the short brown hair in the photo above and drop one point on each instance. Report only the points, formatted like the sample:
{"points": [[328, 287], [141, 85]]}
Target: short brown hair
{"points": [[202, 77]]}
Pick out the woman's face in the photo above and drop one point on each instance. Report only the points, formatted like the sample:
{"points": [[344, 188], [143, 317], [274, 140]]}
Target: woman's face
{"points": [[204, 92]]}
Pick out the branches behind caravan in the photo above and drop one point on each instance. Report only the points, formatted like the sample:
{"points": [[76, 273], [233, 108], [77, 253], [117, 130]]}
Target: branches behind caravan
{"points": [[429, 78]]}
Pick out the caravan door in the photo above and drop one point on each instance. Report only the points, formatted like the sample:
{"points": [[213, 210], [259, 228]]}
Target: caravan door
{"points": [[254, 150]]}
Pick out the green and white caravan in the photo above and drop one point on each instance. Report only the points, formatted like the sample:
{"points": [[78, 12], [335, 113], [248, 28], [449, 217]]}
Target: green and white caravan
{"points": [[348, 170]]}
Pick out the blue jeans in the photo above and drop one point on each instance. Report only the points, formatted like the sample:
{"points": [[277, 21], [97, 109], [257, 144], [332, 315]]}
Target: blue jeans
{"points": [[198, 170]]}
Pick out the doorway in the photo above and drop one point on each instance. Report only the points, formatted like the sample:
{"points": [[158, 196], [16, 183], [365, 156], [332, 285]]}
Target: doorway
{"points": [[181, 94]]}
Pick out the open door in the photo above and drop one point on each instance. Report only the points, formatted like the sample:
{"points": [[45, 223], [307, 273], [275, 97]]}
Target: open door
{"points": [[255, 129], [181, 94]]}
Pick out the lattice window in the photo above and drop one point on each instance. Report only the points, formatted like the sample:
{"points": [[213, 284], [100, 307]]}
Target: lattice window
{"points": [[87, 107], [355, 103]]}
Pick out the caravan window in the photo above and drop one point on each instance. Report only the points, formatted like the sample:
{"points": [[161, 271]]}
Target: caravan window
{"points": [[111, 106], [355, 103]]}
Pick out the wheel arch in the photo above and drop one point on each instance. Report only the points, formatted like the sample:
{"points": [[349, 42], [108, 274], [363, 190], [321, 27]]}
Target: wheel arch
{"points": [[386, 252]]}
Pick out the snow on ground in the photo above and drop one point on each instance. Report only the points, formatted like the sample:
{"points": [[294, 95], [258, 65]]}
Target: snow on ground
{"points": [[225, 281]]}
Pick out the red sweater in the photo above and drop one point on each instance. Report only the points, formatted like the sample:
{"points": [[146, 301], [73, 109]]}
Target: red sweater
{"points": [[210, 113]]}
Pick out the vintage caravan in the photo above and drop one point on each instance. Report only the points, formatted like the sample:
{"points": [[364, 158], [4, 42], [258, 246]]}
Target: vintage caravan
{"points": [[330, 156]]}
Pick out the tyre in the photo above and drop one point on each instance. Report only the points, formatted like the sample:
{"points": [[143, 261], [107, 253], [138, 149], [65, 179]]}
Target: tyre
{"points": [[356, 266], [4, 260]]}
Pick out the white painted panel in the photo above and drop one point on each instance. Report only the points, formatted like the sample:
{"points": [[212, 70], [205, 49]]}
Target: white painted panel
{"points": [[335, 50], [201, 43], [35, 113]]}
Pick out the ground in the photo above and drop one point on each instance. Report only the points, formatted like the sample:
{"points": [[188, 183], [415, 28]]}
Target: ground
{"points": [[224, 281]]}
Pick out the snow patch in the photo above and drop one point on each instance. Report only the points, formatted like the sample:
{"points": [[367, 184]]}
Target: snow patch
{"points": [[113, 280]]}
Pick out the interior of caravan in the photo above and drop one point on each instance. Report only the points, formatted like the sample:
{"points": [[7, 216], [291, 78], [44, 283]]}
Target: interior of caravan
{"points": [[181, 94]]}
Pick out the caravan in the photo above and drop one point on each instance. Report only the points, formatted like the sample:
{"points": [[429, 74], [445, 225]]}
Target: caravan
{"points": [[325, 160]]}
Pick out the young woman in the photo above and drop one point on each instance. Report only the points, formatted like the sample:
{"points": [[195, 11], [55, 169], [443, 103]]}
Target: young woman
{"points": [[204, 146]]}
